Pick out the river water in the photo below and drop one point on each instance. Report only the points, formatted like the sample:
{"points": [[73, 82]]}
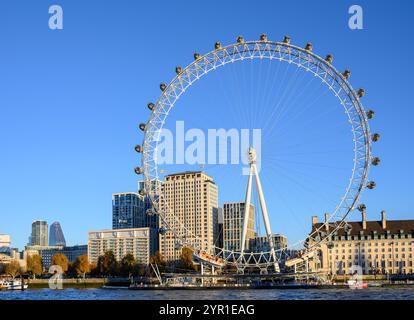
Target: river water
{"points": [[403, 293]]}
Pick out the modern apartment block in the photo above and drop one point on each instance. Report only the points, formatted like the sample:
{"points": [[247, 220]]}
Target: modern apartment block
{"points": [[384, 247], [233, 220], [129, 210], [189, 199], [136, 241], [39, 236]]}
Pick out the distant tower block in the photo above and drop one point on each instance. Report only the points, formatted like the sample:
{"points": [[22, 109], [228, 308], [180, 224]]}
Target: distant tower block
{"points": [[56, 237], [39, 236], [253, 172]]}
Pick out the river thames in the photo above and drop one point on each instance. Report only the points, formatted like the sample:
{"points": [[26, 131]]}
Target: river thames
{"points": [[384, 293]]}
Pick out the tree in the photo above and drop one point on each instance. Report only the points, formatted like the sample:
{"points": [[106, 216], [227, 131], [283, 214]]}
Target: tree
{"points": [[158, 259], [71, 270], [107, 264], [81, 265], [34, 265], [139, 269], [61, 260], [99, 269], [93, 267], [186, 261], [127, 265], [2, 268], [13, 268]]}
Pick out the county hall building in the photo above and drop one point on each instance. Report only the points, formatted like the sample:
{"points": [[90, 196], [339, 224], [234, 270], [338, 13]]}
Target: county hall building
{"points": [[378, 247]]}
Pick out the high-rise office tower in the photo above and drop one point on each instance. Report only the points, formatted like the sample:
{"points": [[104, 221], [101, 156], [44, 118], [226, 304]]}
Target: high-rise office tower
{"points": [[189, 199], [39, 236], [56, 237], [218, 242], [233, 217], [129, 210]]}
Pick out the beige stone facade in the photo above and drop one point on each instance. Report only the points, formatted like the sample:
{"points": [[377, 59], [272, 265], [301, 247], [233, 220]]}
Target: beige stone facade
{"points": [[378, 247], [192, 197], [136, 241]]}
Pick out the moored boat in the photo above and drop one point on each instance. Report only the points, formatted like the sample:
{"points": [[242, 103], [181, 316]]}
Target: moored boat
{"points": [[355, 284], [12, 285]]}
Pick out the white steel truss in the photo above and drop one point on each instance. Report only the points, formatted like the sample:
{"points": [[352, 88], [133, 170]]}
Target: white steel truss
{"points": [[303, 58], [253, 172]]}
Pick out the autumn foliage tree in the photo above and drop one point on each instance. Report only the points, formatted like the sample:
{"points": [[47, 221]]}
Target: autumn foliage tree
{"points": [[157, 258], [34, 265], [81, 265], [13, 269], [186, 261], [61, 260]]}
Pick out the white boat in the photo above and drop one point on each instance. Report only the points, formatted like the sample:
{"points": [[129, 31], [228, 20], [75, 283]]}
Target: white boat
{"points": [[355, 284], [12, 285]]}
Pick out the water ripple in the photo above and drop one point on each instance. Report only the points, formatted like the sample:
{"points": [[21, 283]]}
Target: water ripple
{"points": [[400, 293]]}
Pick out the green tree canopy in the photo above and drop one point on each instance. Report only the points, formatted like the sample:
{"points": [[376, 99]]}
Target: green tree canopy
{"points": [[99, 269], [107, 264], [139, 269], [127, 264]]}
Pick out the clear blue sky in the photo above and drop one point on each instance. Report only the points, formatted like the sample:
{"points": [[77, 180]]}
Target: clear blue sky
{"points": [[71, 100]]}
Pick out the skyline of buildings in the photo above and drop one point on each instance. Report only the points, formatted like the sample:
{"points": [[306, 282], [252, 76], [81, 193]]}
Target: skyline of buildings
{"points": [[192, 196], [47, 245], [192, 189], [40, 244]]}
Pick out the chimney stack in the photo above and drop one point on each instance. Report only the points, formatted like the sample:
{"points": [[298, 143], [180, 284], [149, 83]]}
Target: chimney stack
{"points": [[326, 222], [383, 220], [314, 220], [364, 219]]}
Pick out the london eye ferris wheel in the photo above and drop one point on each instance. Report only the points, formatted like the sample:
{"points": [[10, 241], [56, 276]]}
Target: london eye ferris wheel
{"points": [[304, 64]]}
